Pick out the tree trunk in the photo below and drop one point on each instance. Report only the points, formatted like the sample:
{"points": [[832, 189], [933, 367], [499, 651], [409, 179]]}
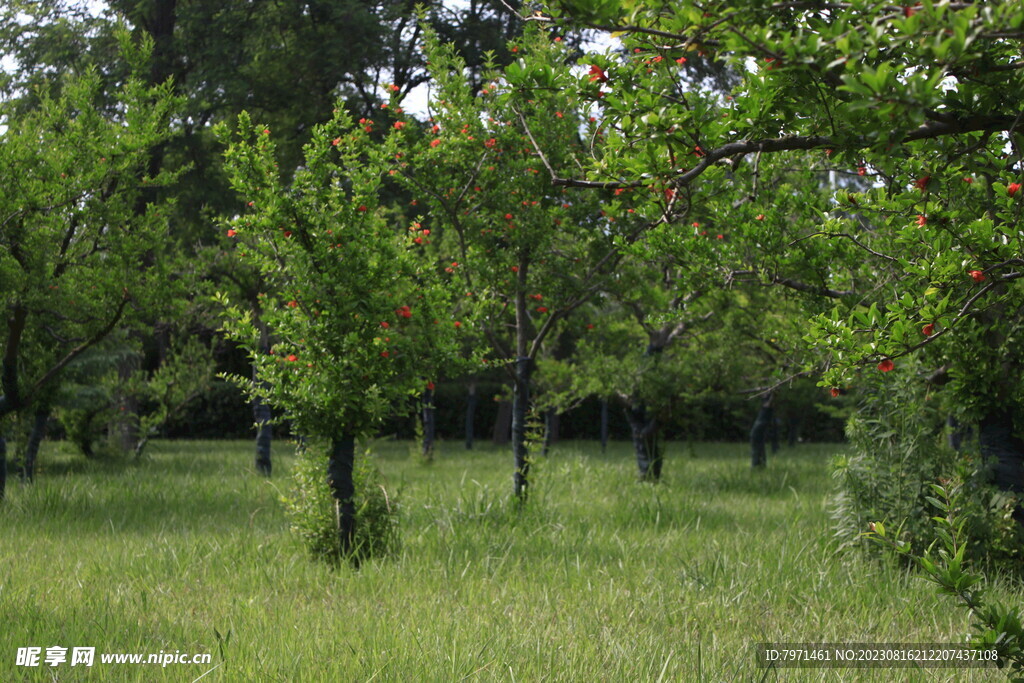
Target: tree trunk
{"points": [[261, 409], [264, 436], [644, 432], [470, 414], [792, 430], [35, 437], [340, 468], [520, 403], [429, 425], [550, 429], [1005, 451], [759, 434], [502, 423], [604, 425], [11, 399]]}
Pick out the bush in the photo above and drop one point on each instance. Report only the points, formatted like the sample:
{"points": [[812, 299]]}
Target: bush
{"points": [[898, 451], [996, 626], [312, 511]]}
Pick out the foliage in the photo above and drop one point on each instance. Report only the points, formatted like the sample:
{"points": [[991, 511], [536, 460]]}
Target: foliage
{"points": [[85, 403], [184, 375], [866, 158], [898, 452], [997, 626], [522, 254], [358, 321], [78, 236], [313, 511]]}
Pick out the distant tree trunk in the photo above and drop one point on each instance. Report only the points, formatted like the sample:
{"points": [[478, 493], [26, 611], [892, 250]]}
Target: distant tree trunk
{"points": [[429, 424], [470, 414], [340, 467], [792, 430], [503, 423], [759, 433], [643, 429], [3, 467], [264, 436], [261, 410], [35, 437], [604, 425], [1005, 450], [520, 403], [550, 429]]}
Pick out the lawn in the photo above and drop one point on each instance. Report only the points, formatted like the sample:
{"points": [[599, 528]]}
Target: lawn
{"points": [[600, 578]]}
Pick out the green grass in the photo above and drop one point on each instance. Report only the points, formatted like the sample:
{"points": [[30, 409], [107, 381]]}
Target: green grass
{"points": [[601, 578]]}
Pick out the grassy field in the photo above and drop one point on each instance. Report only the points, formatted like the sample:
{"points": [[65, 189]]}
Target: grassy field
{"points": [[600, 579]]}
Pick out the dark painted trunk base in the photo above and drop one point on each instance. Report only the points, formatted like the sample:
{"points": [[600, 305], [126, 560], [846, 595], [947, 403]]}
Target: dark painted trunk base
{"points": [[264, 439], [759, 434], [520, 406], [644, 432], [35, 437], [340, 467], [264, 435], [429, 418]]}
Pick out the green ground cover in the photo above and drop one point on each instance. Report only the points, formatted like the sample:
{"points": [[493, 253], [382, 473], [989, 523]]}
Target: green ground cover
{"points": [[601, 578]]}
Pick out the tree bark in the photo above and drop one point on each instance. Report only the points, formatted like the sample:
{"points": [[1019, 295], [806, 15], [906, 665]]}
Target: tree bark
{"points": [[35, 437], [429, 424], [520, 403], [759, 434], [643, 429], [340, 467], [261, 411], [11, 399], [470, 414], [264, 436]]}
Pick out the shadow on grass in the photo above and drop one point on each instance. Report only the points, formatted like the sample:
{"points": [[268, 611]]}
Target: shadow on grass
{"points": [[178, 486]]}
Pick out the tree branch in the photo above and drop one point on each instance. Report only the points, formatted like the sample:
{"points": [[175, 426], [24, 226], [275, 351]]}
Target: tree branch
{"points": [[81, 348], [926, 131]]}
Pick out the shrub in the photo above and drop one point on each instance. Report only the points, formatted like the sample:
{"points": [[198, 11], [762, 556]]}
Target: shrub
{"points": [[312, 511], [898, 451], [997, 627]]}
